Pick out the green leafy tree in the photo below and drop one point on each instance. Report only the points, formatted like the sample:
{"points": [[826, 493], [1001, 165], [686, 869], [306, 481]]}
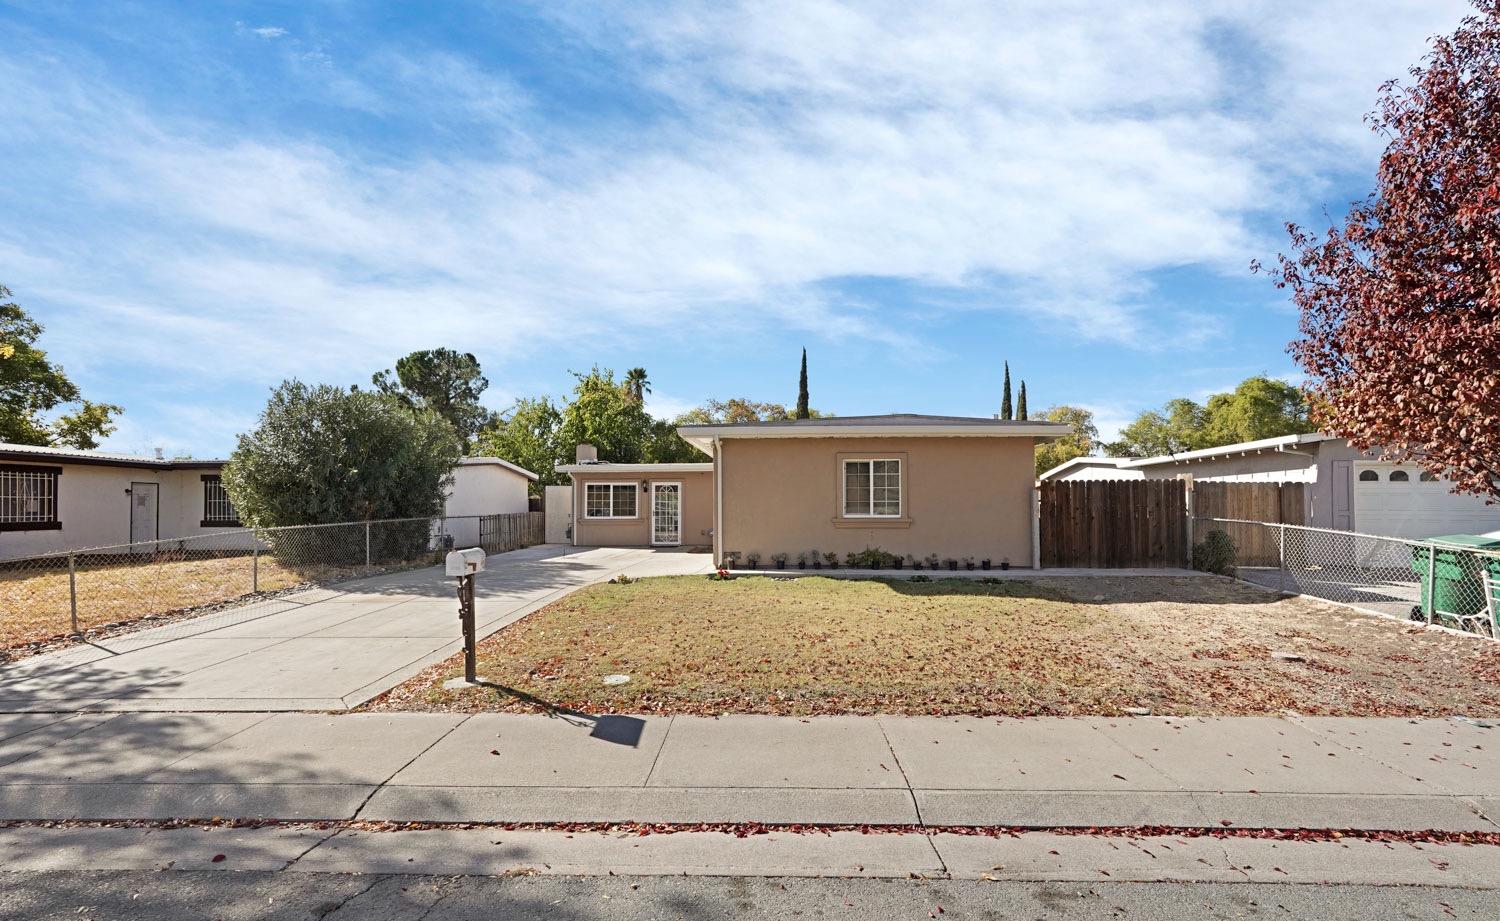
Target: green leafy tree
{"points": [[530, 437], [324, 454], [603, 413], [446, 382], [739, 409], [637, 384], [1081, 443], [1259, 407], [32, 386], [1005, 407], [803, 412], [667, 447], [1176, 428], [1021, 403]]}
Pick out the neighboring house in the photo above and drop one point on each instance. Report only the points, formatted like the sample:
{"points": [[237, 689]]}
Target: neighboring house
{"points": [[1348, 489], [908, 484], [68, 499]]}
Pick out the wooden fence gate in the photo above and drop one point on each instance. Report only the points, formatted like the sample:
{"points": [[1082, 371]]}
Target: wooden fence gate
{"points": [[1276, 503], [1113, 523]]}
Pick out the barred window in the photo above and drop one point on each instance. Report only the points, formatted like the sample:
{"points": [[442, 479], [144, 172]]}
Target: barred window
{"points": [[872, 488], [609, 500], [217, 509], [28, 498]]}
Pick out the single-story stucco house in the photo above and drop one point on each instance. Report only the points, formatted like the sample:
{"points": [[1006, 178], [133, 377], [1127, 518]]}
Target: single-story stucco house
{"points": [[1348, 489], [68, 499], [907, 484]]}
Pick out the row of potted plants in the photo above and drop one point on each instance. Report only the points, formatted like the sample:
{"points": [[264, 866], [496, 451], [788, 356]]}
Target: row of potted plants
{"points": [[868, 558]]}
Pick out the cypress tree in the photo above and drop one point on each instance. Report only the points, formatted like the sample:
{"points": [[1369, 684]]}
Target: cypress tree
{"points": [[802, 410], [1005, 411], [1021, 403]]}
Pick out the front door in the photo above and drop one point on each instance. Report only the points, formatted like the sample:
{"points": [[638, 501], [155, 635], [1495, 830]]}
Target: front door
{"points": [[144, 508], [666, 514]]}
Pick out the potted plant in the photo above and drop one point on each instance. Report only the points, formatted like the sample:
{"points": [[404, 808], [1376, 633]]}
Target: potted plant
{"points": [[817, 559], [932, 561], [1005, 563], [832, 559], [801, 561], [985, 565], [915, 563], [732, 559], [851, 560], [897, 560], [950, 562], [969, 563], [753, 560], [780, 560]]}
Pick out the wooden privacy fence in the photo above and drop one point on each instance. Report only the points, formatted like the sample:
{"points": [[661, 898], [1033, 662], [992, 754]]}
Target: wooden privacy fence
{"points": [[1276, 503], [1113, 523], [499, 533]]}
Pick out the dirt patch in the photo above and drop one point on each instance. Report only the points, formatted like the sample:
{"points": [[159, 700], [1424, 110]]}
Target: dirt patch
{"points": [[1181, 646]]}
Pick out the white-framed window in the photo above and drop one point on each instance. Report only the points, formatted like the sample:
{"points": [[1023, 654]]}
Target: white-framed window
{"points": [[28, 498], [217, 509], [609, 500], [872, 488]]}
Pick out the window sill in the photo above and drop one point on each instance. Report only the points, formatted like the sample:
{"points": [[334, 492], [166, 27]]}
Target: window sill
{"points": [[607, 520], [30, 525], [205, 523], [872, 522]]}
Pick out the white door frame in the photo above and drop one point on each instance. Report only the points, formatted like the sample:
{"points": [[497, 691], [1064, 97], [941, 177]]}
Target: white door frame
{"points": [[654, 541]]}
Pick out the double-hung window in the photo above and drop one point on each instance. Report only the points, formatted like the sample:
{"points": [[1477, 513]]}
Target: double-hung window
{"points": [[872, 488], [218, 511], [28, 498], [609, 500]]}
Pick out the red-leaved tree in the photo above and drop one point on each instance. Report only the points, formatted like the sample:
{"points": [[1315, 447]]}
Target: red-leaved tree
{"points": [[1401, 306]]}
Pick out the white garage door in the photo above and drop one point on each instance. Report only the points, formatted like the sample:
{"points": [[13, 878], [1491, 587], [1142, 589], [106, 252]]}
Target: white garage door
{"points": [[1403, 501]]}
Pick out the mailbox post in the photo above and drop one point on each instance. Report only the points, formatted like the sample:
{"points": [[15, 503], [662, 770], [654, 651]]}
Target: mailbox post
{"points": [[464, 565]]}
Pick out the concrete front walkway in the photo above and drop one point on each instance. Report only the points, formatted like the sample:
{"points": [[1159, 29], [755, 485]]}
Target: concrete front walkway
{"points": [[1338, 773], [322, 649]]}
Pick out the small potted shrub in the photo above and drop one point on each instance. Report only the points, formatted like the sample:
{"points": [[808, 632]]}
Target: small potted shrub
{"points": [[950, 562], [897, 561], [985, 565], [932, 561], [779, 559], [969, 563], [801, 561], [817, 559], [851, 560], [831, 559], [1005, 563], [753, 560], [732, 559], [913, 562]]}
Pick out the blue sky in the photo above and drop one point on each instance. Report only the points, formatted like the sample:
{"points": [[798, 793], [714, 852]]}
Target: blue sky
{"points": [[201, 199]]}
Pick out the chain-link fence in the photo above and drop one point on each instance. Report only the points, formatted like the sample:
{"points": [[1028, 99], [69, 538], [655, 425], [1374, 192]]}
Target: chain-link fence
{"points": [[1448, 584], [228, 576]]}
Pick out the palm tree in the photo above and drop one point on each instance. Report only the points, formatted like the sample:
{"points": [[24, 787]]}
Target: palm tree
{"points": [[637, 384]]}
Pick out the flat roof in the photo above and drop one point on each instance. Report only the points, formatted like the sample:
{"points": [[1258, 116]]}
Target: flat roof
{"points": [[607, 467], [1087, 460], [38, 453], [1279, 443], [892, 425]]}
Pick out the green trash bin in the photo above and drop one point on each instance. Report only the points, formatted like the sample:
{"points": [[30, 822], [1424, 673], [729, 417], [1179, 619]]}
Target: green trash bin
{"points": [[1450, 580]]}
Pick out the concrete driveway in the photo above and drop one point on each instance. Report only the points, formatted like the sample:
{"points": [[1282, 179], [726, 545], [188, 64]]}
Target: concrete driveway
{"points": [[323, 649]]}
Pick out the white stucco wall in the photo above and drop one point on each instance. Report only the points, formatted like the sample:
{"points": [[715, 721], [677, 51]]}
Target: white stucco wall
{"points": [[94, 508]]}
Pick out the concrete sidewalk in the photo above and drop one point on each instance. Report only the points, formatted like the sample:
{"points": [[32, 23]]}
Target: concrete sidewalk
{"points": [[1387, 774], [320, 649]]}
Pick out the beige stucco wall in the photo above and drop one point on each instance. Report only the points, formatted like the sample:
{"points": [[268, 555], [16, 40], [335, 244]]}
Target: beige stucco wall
{"points": [[961, 497], [697, 510], [94, 508]]}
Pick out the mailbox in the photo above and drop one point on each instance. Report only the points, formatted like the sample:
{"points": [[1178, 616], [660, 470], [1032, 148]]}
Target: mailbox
{"points": [[465, 562]]}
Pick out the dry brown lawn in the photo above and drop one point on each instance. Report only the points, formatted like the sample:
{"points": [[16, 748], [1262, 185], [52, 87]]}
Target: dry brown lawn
{"points": [[34, 602], [1056, 646]]}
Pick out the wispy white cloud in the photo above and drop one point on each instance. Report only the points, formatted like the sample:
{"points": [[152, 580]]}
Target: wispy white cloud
{"points": [[266, 32]]}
